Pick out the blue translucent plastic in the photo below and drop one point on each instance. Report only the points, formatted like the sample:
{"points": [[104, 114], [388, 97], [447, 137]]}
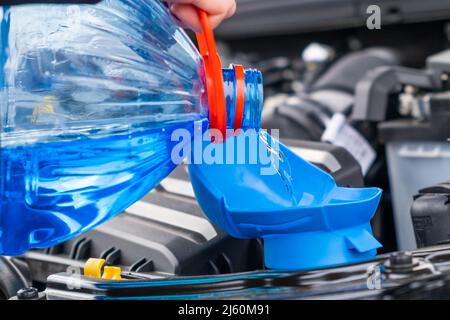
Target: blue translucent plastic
{"points": [[253, 101], [55, 190], [89, 98], [306, 221]]}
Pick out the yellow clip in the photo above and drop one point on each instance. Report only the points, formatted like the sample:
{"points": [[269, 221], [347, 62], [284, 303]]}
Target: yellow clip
{"points": [[112, 273], [46, 107], [93, 267]]}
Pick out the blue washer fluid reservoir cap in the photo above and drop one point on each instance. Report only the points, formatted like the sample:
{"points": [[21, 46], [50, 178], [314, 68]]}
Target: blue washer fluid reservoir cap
{"points": [[306, 221]]}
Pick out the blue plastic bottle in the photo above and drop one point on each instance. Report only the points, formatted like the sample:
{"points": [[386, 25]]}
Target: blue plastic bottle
{"points": [[90, 96]]}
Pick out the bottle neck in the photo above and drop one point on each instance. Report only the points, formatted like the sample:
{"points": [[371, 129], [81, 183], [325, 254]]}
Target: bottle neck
{"points": [[253, 98]]}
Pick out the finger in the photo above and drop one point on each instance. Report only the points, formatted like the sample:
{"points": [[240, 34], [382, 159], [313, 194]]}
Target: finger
{"points": [[232, 10], [215, 20], [211, 7], [187, 14]]}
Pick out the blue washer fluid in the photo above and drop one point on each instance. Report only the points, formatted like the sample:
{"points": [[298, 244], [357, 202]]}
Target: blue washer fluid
{"points": [[89, 98]]}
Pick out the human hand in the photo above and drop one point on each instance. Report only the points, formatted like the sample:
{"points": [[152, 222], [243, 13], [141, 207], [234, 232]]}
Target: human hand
{"points": [[217, 10]]}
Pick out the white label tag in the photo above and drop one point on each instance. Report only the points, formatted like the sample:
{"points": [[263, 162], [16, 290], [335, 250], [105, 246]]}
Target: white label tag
{"points": [[340, 133]]}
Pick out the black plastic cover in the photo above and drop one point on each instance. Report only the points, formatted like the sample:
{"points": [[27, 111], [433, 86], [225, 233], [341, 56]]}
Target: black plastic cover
{"points": [[436, 128], [11, 279], [430, 214]]}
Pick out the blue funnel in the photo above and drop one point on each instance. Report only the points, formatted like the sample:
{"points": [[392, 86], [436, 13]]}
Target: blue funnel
{"points": [[306, 221]]}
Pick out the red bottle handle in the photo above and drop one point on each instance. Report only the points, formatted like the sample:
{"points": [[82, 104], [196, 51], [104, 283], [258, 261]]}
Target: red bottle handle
{"points": [[214, 79]]}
